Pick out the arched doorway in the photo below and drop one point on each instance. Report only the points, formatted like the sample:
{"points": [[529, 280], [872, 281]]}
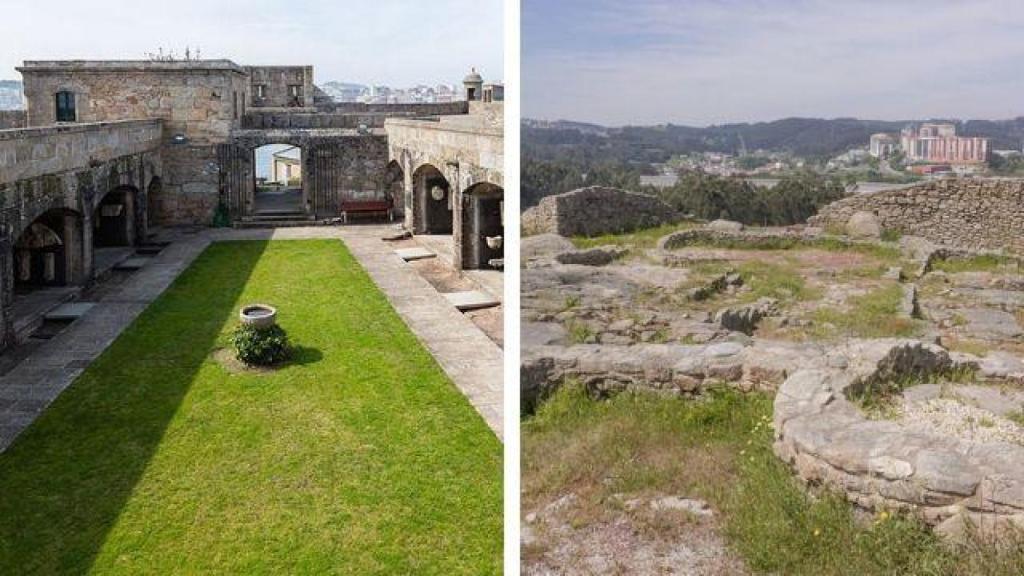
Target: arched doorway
{"points": [[394, 187], [278, 180], [483, 226], [49, 252], [114, 218], [432, 202]]}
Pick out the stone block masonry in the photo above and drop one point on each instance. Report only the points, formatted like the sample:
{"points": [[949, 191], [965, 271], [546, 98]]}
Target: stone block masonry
{"points": [[596, 210], [199, 102], [965, 214], [12, 119]]}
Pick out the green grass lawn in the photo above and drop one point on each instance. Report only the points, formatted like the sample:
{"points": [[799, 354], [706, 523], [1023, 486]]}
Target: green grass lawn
{"points": [[719, 449], [358, 457]]}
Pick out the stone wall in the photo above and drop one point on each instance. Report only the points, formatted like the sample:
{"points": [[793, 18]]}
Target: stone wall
{"points": [[426, 109], [337, 165], [276, 81], [268, 119], [200, 103], [596, 210], [34, 152], [466, 149], [10, 119], [961, 213]]}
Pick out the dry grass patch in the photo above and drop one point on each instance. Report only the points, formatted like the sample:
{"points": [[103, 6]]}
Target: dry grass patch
{"points": [[719, 449]]}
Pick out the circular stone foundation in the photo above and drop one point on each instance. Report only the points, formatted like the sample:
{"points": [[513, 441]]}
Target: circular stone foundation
{"points": [[949, 480]]}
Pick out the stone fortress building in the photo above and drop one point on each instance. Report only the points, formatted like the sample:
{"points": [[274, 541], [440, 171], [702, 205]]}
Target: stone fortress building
{"points": [[112, 149]]}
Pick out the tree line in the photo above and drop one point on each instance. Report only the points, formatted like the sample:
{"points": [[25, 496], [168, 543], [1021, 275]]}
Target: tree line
{"points": [[794, 199]]}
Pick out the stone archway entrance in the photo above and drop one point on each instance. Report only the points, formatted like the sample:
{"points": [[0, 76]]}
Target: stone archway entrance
{"points": [[432, 205], [49, 252], [278, 181], [114, 219], [483, 228]]}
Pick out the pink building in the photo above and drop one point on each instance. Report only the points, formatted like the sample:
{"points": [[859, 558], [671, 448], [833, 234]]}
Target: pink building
{"points": [[939, 143]]}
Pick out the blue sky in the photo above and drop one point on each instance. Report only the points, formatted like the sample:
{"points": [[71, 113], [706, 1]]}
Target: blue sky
{"points": [[703, 62], [394, 42]]}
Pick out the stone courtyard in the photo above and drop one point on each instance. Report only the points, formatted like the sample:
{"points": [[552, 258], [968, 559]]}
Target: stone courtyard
{"points": [[108, 199]]}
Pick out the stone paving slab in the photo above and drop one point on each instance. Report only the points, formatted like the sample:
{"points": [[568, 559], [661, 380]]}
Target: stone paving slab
{"points": [[133, 263], [409, 254], [69, 311], [470, 300]]}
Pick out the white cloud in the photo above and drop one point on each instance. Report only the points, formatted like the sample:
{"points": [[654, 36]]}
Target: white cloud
{"points": [[396, 42], [712, 62]]}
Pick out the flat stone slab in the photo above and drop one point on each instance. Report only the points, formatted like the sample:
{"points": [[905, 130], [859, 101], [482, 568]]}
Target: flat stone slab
{"points": [[396, 235], [133, 263], [69, 311], [471, 300], [410, 254]]}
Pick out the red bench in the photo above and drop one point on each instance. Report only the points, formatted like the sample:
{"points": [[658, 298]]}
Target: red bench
{"points": [[367, 207]]}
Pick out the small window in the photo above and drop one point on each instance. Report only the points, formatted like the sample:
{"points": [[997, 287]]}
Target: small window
{"points": [[295, 90], [261, 91], [65, 106], [234, 96]]}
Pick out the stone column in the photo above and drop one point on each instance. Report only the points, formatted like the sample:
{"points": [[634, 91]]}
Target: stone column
{"points": [[6, 291], [78, 248], [408, 196], [458, 199]]}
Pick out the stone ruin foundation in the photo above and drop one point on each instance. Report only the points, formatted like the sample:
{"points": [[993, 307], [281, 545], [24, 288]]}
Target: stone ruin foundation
{"points": [[950, 481]]}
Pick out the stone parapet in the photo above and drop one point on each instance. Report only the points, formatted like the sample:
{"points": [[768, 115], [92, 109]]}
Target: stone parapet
{"points": [[33, 152], [414, 109], [13, 119]]}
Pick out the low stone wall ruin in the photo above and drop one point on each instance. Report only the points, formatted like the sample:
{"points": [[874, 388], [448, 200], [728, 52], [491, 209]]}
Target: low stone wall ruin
{"points": [[967, 214], [879, 465], [596, 210]]}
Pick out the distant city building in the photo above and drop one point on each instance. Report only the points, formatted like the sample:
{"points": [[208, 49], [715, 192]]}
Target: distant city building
{"points": [[494, 92], [286, 166], [882, 145], [939, 143]]}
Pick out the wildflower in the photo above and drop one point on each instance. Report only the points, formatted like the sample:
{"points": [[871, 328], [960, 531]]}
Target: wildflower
{"points": [[817, 532]]}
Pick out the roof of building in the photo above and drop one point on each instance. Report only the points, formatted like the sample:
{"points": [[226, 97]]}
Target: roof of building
{"points": [[473, 77], [122, 65]]}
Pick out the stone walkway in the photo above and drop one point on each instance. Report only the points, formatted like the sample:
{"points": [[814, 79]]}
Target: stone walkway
{"points": [[471, 360], [33, 384]]}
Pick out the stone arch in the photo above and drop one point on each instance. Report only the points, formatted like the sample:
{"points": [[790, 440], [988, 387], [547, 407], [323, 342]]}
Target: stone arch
{"points": [[483, 227], [432, 201], [50, 251], [113, 218]]}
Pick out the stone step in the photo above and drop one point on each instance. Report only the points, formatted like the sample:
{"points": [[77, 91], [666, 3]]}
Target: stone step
{"points": [[278, 217], [277, 223]]}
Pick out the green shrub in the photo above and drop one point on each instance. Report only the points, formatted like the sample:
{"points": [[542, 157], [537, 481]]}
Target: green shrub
{"points": [[261, 346]]}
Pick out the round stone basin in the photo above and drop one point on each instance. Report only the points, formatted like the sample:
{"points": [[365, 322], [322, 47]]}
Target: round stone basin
{"points": [[258, 315]]}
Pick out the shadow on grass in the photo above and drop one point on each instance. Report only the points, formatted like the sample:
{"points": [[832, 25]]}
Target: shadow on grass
{"points": [[65, 481], [304, 355]]}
